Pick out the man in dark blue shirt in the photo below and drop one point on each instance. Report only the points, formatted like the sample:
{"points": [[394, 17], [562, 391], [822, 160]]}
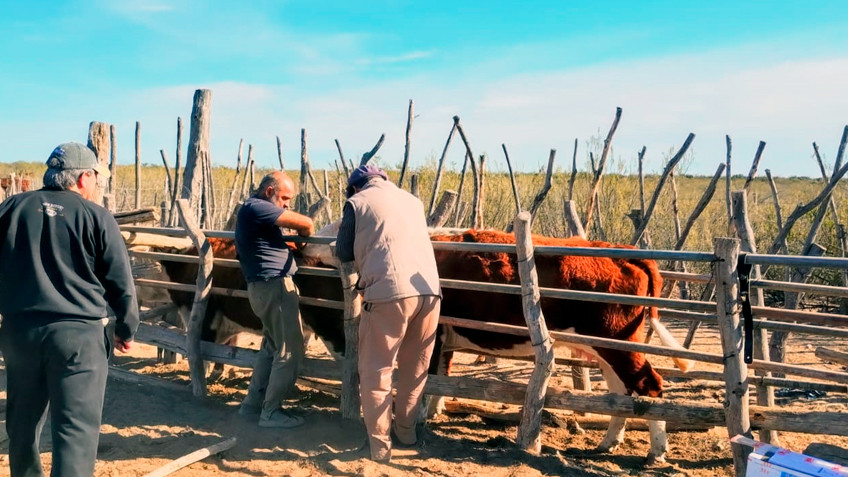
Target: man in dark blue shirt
{"points": [[267, 264], [62, 261]]}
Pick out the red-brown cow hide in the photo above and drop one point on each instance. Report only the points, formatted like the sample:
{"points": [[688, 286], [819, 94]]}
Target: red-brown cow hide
{"points": [[596, 274]]}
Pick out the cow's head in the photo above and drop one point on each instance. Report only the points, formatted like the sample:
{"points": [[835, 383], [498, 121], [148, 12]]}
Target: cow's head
{"points": [[646, 382]]}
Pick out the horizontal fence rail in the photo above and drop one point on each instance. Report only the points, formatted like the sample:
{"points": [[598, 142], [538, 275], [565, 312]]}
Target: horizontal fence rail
{"points": [[596, 297], [801, 287], [711, 414], [796, 261], [797, 370]]}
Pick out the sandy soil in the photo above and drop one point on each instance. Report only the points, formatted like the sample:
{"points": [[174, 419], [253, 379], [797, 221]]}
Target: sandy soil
{"points": [[146, 426]]}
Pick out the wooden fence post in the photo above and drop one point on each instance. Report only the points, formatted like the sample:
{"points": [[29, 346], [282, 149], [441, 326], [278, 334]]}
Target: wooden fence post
{"points": [[98, 141], [745, 234], [201, 297], [409, 118], [109, 197], [198, 143], [572, 220], [413, 186], [579, 375], [529, 430], [172, 215], [446, 205], [736, 404], [138, 164], [350, 403], [438, 178]]}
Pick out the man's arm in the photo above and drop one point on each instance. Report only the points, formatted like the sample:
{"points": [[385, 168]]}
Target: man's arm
{"points": [[346, 235], [292, 220], [115, 273]]}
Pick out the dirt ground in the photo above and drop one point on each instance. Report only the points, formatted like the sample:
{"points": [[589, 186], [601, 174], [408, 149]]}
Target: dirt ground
{"points": [[146, 426]]}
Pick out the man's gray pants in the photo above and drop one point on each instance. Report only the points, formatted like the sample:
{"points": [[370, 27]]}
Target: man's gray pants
{"points": [[63, 363], [275, 370]]}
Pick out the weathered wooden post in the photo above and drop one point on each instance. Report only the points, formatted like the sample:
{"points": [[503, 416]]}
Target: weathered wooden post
{"points": [[98, 141], [735, 370], [279, 153], [438, 178], [409, 118], [572, 220], [446, 205], [137, 164], [233, 189], [515, 197], [457, 220], [172, 214], [13, 185], [109, 198], [413, 185], [580, 378], [745, 234], [198, 143], [476, 214], [302, 202], [350, 403], [529, 430], [205, 260]]}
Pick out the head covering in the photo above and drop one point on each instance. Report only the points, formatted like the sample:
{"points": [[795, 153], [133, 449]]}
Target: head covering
{"points": [[73, 155], [360, 176]]}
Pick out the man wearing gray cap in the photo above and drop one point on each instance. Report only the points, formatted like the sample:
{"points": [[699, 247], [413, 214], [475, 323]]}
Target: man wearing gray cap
{"points": [[384, 232], [63, 263]]}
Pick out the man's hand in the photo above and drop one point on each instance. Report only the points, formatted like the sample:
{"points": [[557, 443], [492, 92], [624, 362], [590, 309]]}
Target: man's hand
{"points": [[122, 345], [306, 231]]}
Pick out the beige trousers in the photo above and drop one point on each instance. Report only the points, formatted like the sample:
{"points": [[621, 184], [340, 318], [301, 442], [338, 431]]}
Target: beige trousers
{"points": [[402, 331]]}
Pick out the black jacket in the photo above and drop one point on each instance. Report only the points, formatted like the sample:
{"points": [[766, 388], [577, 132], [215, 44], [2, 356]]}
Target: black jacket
{"points": [[62, 257]]}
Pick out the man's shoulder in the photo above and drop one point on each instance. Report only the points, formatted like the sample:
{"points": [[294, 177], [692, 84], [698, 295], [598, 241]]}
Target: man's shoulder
{"points": [[254, 205]]}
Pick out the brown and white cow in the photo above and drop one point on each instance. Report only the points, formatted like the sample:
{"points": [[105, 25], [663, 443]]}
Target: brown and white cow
{"points": [[625, 372]]}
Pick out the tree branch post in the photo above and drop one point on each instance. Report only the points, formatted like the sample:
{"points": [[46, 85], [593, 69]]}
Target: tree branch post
{"points": [[668, 168], [370, 154], [737, 416], [512, 181], [599, 171], [197, 370], [476, 214], [172, 215], [573, 172], [747, 241], [350, 402], [438, 179], [753, 172], [529, 430], [198, 142], [409, 117]]}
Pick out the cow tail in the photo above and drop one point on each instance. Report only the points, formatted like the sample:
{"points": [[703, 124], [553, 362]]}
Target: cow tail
{"points": [[655, 290], [668, 339]]}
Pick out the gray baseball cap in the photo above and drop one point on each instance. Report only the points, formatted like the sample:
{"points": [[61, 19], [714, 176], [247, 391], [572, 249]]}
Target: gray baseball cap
{"points": [[73, 155]]}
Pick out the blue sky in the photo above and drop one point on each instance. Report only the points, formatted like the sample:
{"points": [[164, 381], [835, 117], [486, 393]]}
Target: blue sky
{"points": [[531, 75]]}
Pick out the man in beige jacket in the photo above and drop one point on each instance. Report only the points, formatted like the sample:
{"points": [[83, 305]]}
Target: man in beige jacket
{"points": [[384, 231]]}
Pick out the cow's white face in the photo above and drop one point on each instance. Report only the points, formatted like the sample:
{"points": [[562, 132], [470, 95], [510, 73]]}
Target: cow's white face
{"points": [[324, 252]]}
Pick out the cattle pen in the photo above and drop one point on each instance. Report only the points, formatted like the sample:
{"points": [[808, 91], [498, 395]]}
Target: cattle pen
{"points": [[728, 260]]}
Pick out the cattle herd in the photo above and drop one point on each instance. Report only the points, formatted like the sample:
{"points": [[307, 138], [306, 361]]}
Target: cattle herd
{"points": [[625, 372]]}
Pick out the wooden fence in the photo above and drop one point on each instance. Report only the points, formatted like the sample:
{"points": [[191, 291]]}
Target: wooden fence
{"points": [[737, 414]]}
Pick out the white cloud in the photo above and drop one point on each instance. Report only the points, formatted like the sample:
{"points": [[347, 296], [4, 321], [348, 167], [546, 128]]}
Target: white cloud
{"points": [[406, 57], [788, 104]]}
